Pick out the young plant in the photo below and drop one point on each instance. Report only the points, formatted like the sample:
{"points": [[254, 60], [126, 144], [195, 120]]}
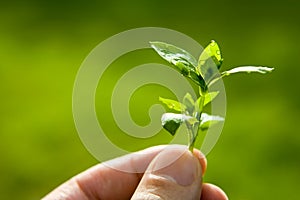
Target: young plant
{"points": [[204, 72]]}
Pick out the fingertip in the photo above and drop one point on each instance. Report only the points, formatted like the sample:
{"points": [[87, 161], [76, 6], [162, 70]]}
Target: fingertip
{"points": [[174, 173], [178, 163], [212, 192], [202, 159]]}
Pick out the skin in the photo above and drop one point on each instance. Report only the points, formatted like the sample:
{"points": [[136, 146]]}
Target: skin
{"points": [[146, 175]]}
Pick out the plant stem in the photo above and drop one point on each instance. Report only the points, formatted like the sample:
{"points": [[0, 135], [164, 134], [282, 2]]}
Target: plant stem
{"points": [[193, 131], [191, 147], [190, 136]]}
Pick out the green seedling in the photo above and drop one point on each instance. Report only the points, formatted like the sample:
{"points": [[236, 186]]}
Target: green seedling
{"points": [[204, 72]]}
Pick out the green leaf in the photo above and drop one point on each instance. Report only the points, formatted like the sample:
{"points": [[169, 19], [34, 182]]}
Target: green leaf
{"points": [[174, 54], [208, 120], [208, 97], [171, 122], [172, 104], [209, 61], [189, 103], [248, 69], [211, 51], [181, 59]]}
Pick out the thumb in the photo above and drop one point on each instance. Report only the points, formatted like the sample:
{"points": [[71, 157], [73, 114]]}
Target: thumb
{"points": [[175, 173]]}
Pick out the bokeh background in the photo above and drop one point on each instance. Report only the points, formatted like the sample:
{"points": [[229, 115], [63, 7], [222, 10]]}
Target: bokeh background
{"points": [[43, 43]]}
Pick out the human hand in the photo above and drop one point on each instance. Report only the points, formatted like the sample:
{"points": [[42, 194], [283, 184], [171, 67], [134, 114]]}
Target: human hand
{"points": [[170, 172]]}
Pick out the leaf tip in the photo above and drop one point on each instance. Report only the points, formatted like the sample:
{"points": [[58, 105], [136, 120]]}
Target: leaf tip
{"points": [[265, 70], [271, 69], [152, 43]]}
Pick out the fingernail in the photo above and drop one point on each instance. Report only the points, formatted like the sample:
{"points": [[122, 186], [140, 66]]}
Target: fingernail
{"points": [[177, 165]]}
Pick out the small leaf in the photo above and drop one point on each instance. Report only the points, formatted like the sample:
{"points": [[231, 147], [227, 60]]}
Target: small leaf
{"points": [[181, 59], [209, 120], [172, 104], [209, 58], [174, 54], [208, 97], [172, 121], [248, 69], [211, 51]]}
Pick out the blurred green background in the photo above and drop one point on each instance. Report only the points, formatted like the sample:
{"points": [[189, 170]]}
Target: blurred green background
{"points": [[42, 44]]}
